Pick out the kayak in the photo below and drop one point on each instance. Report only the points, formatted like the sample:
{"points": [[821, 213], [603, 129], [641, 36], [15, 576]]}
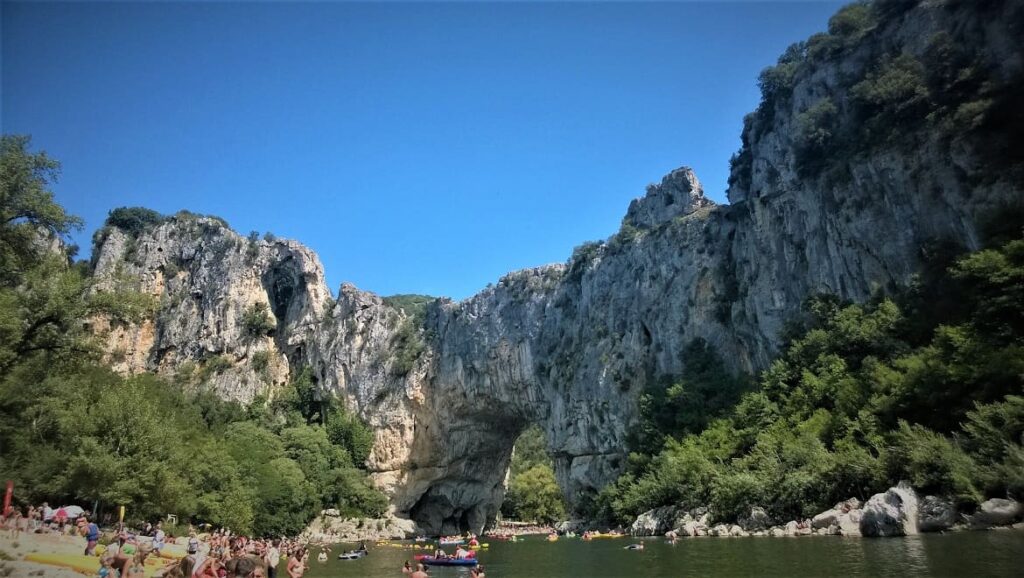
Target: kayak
{"points": [[80, 563], [354, 555], [451, 542], [596, 536], [479, 546], [431, 561]]}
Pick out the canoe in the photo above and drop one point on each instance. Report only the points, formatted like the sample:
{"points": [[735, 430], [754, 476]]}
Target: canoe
{"points": [[431, 561], [451, 542]]}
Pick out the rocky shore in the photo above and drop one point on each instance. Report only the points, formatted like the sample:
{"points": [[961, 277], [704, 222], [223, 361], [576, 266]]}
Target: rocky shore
{"points": [[895, 512], [330, 527]]}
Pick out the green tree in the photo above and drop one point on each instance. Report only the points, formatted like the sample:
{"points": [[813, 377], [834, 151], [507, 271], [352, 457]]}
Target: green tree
{"points": [[29, 217], [534, 496]]}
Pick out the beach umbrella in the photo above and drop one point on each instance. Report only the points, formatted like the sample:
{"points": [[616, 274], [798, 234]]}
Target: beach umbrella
{"points": [[72, 511]]}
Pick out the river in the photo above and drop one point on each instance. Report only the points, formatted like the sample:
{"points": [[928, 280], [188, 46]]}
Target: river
{"points": [[992, 553]]}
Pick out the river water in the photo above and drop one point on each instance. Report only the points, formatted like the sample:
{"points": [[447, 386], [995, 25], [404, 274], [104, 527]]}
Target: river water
{"points": [[992, 553]]}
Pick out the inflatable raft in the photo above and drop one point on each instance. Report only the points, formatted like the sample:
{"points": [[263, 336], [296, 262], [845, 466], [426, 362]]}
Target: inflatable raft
{"points": [[353, 555], [432, 561]]}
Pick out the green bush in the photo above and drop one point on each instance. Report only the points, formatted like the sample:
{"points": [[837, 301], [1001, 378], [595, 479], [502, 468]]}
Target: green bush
{"points": [[256, 321], [933, 464], [134, 220], [407, 344], [260, 362], [347, 431], [852, 21], [814, 135], [892, 99], [212, 366]]}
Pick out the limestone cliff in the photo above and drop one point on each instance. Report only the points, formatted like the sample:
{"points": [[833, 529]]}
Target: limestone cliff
{"points": [[570, 346]]}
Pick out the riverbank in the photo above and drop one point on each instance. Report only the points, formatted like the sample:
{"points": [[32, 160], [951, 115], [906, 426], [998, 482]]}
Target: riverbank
{"points": [[896, 512], [14, 550]]}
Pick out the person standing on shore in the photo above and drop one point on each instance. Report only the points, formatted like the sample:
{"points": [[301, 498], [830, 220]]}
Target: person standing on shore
{"points": [[91, 532], [47, 515], [273, 558], [158, 538]]}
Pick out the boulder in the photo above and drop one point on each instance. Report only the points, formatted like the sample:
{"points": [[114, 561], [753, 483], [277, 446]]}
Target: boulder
{"points": [[893, 513], [693, 529], [997, 512], [654, 522], [777, 532], [847, 505], [719, 530], [736, 531], [574, 525], [757, 520], [826, 519], [935, 515], [791, 528], [848, 524]]}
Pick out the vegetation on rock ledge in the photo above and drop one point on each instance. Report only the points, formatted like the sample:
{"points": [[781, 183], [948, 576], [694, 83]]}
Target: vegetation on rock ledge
{"points": [[864, 396]]}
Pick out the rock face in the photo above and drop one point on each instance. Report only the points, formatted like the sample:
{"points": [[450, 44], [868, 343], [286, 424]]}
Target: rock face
{"points": [[205, 277], [654, 522], [935, 515], [571, 346], [757, 520], [331, 527], [893, 513]]}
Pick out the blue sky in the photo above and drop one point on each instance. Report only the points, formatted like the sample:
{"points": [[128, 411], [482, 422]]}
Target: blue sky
{"points": [[418, 148]]}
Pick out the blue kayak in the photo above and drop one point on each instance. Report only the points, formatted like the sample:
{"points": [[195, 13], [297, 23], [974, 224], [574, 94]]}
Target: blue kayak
{"points": [[431, 561]]}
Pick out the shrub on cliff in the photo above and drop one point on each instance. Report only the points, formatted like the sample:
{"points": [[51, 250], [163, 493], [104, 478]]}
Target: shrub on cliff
{"points": [[256, 321], [134, 220]]}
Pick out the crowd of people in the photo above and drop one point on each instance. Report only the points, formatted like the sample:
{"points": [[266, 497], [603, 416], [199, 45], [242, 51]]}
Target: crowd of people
{"points": [[216, 554]]}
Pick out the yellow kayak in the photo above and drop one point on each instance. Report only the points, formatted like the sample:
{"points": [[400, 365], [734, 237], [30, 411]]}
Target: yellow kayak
{"points": [[480, 546], [79, 562], [173, 552]]}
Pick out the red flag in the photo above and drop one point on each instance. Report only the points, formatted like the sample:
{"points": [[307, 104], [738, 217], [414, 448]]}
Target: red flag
{"points": [[7, 497]]}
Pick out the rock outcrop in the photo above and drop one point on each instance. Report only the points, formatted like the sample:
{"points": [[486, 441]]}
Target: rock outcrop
{"points": [[654, 522], [757, 520], [893, 513], [997, 512], [331, 527], [935, 514], [570, 346]]}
